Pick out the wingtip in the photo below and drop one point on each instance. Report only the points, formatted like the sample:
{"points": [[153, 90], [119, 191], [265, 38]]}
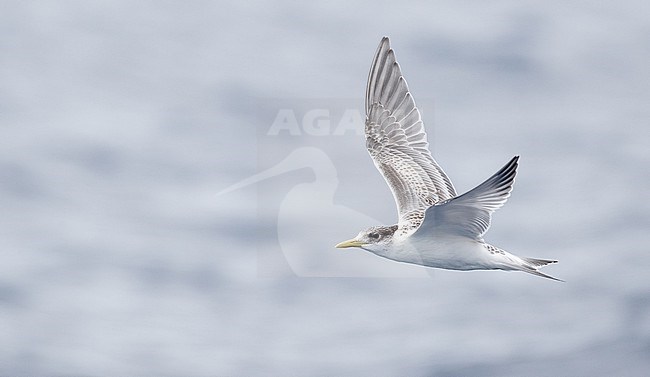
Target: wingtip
{"points": [[512, 165]]}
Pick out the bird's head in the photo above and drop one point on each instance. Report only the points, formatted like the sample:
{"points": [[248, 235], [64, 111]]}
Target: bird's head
{"points": [[371, 239]]}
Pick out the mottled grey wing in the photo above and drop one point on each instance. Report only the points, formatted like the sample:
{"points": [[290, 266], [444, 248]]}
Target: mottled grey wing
{"points": [[397, 142], [469, 215]]}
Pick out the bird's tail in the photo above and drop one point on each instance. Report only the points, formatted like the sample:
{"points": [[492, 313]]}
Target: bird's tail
{"points": [[507, 261], [532, 265]]}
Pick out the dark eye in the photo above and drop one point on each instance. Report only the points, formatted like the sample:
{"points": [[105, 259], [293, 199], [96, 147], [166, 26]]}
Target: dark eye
{"points": [[373, 235]]}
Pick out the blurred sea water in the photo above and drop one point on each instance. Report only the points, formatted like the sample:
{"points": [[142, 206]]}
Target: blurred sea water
{"points": [[121, 122]]}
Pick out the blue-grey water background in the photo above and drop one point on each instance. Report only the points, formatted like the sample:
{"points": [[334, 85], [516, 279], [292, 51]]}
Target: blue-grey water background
{"points": [[121, 121]]}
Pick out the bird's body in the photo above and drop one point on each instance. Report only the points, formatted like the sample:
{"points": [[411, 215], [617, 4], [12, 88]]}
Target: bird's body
{"points": [[447, 252], [453, 253], [436, 228]]}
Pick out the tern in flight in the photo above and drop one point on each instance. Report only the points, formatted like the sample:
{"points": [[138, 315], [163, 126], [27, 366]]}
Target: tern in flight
{"points": [[436, 227]]}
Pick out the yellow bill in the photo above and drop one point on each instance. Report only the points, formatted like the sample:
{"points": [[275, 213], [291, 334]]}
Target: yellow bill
{"points": [[349, 243]]}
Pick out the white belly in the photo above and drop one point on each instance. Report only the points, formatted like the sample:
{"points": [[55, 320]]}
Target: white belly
{"points": [[452, 253]]}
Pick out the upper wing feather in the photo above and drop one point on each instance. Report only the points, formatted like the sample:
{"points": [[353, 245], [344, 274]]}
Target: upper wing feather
{"points": [[469, 215], [397, 142]]}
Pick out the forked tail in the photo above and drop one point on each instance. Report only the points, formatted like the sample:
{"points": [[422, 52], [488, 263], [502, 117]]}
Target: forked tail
{"points": [[507, 261], [531, 265]]}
